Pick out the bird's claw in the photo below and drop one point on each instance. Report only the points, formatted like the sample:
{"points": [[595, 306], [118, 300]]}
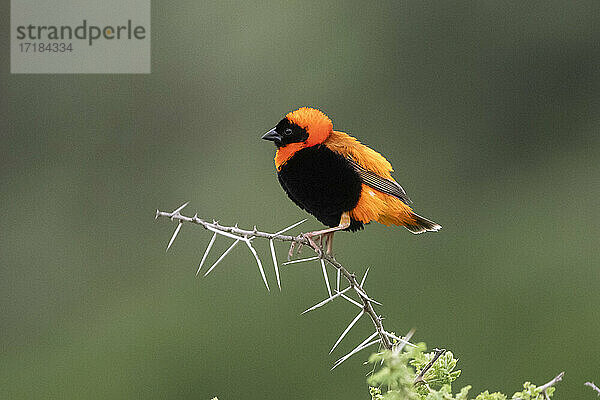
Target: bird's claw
{"points": [[291, 251], [313, 244], [296, 242]]}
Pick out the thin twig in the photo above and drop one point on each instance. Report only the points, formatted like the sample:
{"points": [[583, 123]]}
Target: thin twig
{"points": [[545, 387], [593, 386], [438, 353]]}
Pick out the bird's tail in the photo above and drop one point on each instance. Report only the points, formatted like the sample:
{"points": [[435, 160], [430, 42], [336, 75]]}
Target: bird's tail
{"points": [[420, 225]]}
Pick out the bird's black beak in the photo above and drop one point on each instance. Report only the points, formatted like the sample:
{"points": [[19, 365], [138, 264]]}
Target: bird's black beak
{"points": [[273, 136]]}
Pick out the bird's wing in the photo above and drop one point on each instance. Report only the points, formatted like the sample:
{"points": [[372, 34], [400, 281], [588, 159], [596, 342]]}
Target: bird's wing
{"points": [[374, 170], [384, 185]]}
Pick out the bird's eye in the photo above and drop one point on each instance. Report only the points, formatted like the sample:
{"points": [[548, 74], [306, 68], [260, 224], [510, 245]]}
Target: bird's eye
{"points": [[287, 132]]}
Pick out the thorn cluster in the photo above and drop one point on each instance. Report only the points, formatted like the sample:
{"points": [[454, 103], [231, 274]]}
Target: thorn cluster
{"points": [[385, 339]]}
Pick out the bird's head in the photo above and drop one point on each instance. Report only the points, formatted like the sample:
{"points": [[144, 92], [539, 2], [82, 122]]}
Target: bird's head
{"points": [[299, 129]]}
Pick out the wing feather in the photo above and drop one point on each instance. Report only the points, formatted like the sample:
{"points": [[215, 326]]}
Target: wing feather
{"points": [[374, 170], [375, 181]]}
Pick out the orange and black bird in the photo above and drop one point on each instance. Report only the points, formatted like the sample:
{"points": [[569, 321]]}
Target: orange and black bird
{"points": [[339, 180]]}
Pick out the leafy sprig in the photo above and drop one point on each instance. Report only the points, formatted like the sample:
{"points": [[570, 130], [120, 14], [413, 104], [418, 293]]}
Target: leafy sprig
{"points": [[411, 375]]}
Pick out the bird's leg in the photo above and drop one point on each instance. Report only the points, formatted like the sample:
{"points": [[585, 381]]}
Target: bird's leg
{"points": [[330, 242], [320, 240], [344, 223], [312, 243], [324, 240]]}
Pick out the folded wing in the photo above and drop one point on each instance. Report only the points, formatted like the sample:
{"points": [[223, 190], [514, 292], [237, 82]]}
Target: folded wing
{"points": [[374, 170]]}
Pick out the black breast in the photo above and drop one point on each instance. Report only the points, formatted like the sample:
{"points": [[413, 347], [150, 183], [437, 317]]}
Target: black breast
{"points": [[323, 183]]}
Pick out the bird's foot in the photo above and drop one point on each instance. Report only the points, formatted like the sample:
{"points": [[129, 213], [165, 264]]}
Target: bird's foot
{"points": [[313, 243], [328, 243]]}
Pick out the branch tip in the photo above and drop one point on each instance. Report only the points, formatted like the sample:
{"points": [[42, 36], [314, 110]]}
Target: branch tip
{"points": [[555, 380]]}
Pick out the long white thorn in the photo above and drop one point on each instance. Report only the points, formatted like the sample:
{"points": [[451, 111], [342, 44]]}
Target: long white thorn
{"points": [[351, 300], [174, 235], [223, 233], [290, 227], [363, 294], [337, 280], [364, 344], [401, 341], [210, 244], [180, 208], [301, 260], [354, 321], [327, 300], [326, 277], [222, 257], [275, 262], [406, 340], [260, 267], [362, 282]]}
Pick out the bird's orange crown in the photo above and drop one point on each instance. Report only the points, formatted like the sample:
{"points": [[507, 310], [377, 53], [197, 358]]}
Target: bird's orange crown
{"points": [[317, 124], [314, 122]]}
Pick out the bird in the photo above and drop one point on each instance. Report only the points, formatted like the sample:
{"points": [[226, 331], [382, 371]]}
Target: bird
{"points": [[343, 183]]}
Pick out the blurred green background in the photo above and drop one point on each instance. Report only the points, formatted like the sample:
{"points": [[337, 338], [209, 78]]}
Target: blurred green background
{"points": [[489, 111]]}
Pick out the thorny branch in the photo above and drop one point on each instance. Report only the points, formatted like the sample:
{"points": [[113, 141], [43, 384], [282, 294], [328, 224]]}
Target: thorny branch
{"points": [[386, 339]]}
